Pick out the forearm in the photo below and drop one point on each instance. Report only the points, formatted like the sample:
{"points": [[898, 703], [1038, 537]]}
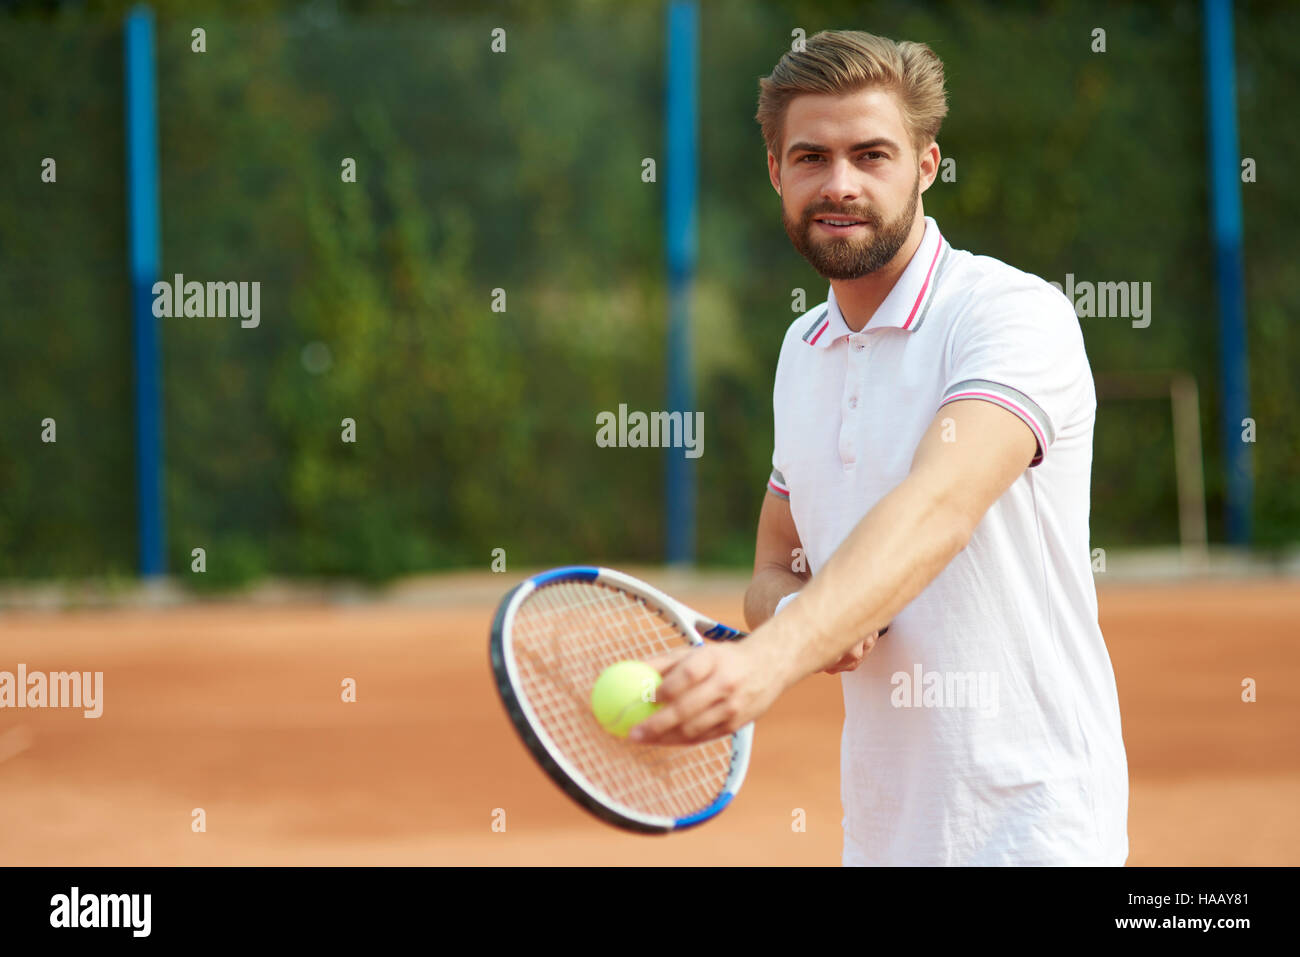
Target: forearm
{"points": [[897, 549], [770, 584]]}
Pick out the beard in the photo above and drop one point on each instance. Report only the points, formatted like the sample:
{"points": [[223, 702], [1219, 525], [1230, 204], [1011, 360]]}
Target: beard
{"points": [[847, 258]]}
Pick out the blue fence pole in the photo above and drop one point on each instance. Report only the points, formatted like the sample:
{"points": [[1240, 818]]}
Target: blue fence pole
{"points": [[680, 177], [143, 245], [1225, 210]]}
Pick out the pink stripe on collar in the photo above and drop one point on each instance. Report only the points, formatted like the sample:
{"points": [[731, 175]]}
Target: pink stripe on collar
{"points": [[925, 285]]}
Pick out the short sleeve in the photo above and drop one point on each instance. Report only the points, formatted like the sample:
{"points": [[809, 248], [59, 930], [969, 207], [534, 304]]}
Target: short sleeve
{"points": [[776, 483], [1021, 349]]}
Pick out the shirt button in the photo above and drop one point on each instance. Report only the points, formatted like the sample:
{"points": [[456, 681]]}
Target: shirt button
{"points": [[858, 346], [853, 402]]}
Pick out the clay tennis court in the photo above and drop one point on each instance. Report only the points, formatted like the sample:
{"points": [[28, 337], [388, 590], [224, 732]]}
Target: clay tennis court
{"points": [[236, 708]]}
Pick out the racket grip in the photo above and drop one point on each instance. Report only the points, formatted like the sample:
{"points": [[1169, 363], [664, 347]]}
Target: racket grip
{"points": [[721, 632]]}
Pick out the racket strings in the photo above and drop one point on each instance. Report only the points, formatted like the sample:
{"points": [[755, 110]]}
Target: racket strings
{"points": [[563, 637]]}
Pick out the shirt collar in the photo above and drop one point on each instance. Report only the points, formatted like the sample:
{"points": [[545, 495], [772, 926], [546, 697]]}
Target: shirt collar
{"points": [[901, 308]]}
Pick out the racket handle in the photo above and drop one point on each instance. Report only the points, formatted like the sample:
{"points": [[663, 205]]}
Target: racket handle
{"points": [[723, 633]]}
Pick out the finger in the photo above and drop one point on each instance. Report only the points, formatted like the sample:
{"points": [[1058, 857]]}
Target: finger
{"points": [[668, 722], [678, 737], [851, 658], [666, 661], [717, 731], [717, 715], [690, 669]]}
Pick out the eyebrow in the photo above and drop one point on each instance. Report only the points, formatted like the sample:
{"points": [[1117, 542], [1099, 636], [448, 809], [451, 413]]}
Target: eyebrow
{"points": [[805, 147]]}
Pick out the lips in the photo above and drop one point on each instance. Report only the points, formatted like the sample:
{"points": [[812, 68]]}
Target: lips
{"points": [[837, 224]]}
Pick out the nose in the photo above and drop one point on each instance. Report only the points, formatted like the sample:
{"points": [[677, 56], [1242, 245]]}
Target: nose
{"points": [[841, 183]]}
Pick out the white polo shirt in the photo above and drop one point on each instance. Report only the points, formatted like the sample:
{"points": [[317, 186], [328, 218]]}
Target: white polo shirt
{"points": [[984, 728]]}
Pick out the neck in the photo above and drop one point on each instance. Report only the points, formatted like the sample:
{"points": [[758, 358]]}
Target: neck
{"points": [[859, 299]]}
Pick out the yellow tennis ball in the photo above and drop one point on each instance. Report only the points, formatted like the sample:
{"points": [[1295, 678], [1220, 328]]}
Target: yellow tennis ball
{"points": [[623, 696]]}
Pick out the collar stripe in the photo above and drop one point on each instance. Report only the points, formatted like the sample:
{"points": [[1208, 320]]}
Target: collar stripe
{"points": [[825, 325], [938, 276], [924, 286], [817, 320]]}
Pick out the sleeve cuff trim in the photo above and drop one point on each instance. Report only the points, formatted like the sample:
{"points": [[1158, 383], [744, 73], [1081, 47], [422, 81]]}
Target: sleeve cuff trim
{"points": [[1013, 401]]}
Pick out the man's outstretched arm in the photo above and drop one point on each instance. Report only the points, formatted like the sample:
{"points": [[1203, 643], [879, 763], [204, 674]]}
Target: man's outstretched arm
{"points": [[959, 470]]}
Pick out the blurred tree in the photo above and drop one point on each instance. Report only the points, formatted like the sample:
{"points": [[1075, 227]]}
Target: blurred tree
{"points": [[521, 172]]}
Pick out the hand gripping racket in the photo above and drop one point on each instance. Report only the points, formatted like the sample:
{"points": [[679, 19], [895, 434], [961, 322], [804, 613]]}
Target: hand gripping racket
{"points": [[552, 637]]}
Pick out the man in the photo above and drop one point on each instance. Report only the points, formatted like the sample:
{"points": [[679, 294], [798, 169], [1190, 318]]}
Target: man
{"points": [[934, 423]]}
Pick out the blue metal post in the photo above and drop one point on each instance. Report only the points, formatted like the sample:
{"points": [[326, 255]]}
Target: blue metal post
{"points": [[143, 245], [1225, 198], [680, 223]]}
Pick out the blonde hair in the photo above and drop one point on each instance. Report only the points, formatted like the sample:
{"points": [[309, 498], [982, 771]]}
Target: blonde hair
{"points": [[847, 61]]}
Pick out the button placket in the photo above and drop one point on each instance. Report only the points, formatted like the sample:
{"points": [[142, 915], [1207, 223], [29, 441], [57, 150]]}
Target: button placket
{"points": [[849, 414]]}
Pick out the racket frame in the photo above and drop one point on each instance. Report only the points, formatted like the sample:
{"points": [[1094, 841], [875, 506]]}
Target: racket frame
{"points": [[696, 626]]}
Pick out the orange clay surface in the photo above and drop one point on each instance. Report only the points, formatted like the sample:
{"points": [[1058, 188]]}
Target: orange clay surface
{"points": [[235, 709]]}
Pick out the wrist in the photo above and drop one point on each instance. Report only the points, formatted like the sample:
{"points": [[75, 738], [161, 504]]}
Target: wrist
{"points": [[775, 644]]}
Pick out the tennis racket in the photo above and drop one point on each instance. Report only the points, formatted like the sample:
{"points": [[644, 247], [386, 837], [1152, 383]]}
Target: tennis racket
{"points": [[552, 637]]}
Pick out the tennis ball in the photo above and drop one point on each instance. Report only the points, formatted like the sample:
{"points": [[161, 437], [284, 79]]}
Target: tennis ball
{"points": [[622, 696]]}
